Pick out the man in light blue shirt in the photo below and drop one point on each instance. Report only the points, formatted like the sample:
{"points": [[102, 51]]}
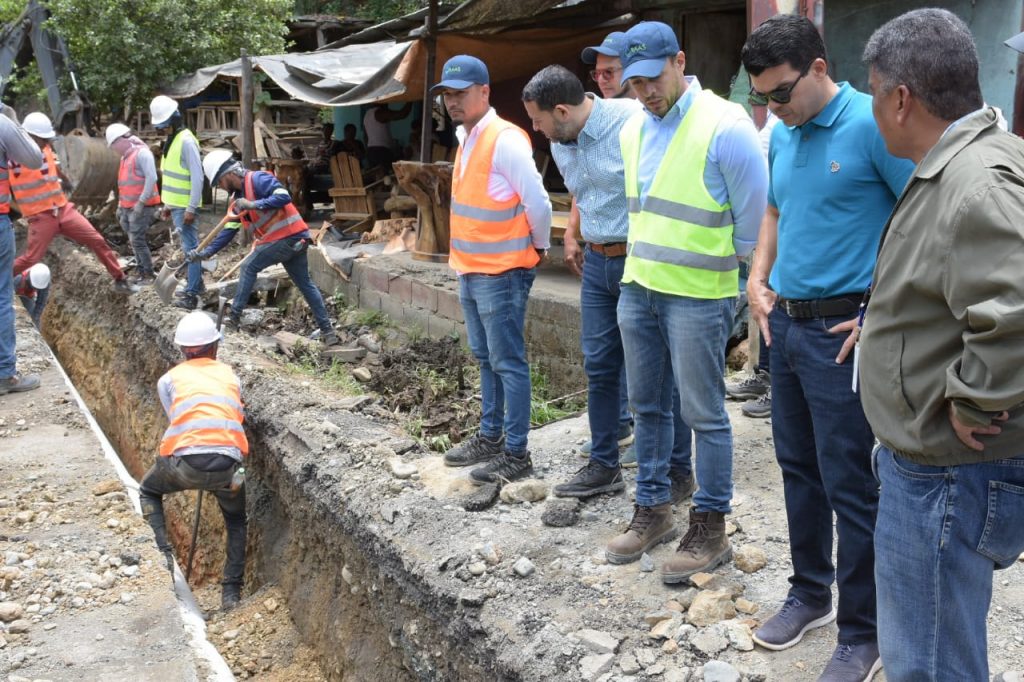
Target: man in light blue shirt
{"points": [[833, 185], [583, 130], [692, 213]]}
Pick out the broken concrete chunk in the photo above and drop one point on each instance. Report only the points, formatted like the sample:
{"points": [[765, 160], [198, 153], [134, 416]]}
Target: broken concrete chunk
{"points": [[629, 665], [750, 558], [355, 402], [746, 606], [559, 513], [710, 607], [343, 354], [597, 641], [710, 640], [400, 469], [592, 667], [720, 671], [656, 617], [665, 628], [738, 634], [530, 490]]}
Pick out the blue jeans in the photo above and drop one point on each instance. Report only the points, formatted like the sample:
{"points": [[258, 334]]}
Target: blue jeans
{"points": [[495, 310], [941, 533], [823, 445], [189, 240], [7, 357], [674, 340], [291, 253], [604, 365]]}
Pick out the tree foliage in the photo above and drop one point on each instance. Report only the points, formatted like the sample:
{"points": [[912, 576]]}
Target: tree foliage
{"points": [[376, 10], [124, 50]]}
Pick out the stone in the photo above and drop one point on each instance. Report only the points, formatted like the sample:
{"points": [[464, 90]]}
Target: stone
{"points": [[597, 641], [730, 528], [270, 605], [719, 583], [709, 641], [19, 626], [746, 606], [129, 571], [646, 563], [343, 354], [477, 568], [686, 597], [710, 607], [489, 553], [629, 665], [749, 558], [530, 490], [646, 657], [130, 558], [656, 669], [10, 610], [23, 517], [362, 375], [720, 671], [656, 617], [685, 632], [230, 635], [665, 628], [354, 403], [701, 579], [110, 486], [738, 635], [127, 597], [676, 675], [401, 470], [346, 574], [673, 605], [524, 568], [592, 667], [670, 646], [561, 513]]}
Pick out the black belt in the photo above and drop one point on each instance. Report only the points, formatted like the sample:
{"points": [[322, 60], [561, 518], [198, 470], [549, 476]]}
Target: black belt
{"points": [[819, 307]]}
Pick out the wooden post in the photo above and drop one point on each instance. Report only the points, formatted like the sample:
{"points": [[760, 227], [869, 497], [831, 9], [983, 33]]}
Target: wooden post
{"points": [[427, 129], [245, 110]]}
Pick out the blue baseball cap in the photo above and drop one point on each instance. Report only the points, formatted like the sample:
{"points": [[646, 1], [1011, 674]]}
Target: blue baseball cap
{"points": [[611, 46], [462, 71], [648, 44]]}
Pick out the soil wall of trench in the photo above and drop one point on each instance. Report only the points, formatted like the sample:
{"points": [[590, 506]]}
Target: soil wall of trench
{"points": [[366, 603]]}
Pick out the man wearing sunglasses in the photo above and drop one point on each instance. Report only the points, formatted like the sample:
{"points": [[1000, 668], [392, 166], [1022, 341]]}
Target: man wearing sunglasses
{"points": [[607, 71], [833, 184]]}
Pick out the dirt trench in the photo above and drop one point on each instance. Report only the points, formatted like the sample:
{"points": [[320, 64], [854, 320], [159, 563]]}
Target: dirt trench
{"points": [[368, 610]]}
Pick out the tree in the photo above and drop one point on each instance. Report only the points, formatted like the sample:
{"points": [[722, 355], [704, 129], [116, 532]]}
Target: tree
{"points": [[124, 50]]}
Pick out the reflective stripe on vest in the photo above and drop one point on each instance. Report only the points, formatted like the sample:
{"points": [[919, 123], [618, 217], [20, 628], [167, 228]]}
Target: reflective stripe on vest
{"points": [[37, 191], [176, 187], [680, 238], [487, 236], [130, 182], [271, 224], [206, 408], [5, 191]]}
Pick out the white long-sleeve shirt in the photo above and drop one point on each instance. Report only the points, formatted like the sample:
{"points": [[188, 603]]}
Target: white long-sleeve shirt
{"points": [[513, 173]]}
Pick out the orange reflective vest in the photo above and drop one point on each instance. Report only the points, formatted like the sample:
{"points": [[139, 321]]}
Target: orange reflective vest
{"points": [[37, 191], [206, 408], [23, 286], [488, 236], [130, 182], [5, 191], [271, 224]]}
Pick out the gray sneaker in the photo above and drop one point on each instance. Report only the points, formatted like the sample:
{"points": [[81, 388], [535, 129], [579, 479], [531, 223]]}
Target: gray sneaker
{"points": [[760, 408], [787, 627], [853, 663], [19, 383], [751, 388], [627, 459], [625, 438], [474, 450]]}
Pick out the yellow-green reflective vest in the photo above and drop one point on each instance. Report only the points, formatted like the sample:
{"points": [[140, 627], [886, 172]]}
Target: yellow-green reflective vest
{"points": [[176, 186], [680, 238]]}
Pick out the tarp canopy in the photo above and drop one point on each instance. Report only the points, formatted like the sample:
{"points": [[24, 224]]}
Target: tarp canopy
{"points": [[315, 77], [508, 55]]}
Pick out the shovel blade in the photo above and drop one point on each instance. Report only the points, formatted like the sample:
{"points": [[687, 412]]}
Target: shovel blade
{"points": [[165, 283]]}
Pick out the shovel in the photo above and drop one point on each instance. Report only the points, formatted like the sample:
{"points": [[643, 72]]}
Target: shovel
{"points": [[167, 279]]}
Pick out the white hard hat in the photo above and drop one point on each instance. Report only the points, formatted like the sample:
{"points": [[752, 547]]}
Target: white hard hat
{"points": [[213, 163], [161, 109], [196, 329], [116, 130], [39, 276], [37, 123]]}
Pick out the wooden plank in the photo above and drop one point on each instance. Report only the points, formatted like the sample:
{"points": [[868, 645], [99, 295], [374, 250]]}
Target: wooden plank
{"points": [[346, 192]]}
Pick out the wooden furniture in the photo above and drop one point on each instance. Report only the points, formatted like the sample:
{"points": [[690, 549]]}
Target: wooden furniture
{"points": [[430, 184], [292, 174], [353, 201]]}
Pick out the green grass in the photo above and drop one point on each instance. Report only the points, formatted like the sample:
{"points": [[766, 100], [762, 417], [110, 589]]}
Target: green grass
{"points": [[374, 319], [336, 375], [545, 408]]}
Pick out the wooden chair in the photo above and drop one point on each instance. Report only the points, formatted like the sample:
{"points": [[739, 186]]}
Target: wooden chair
{"points": [[352, 199]]}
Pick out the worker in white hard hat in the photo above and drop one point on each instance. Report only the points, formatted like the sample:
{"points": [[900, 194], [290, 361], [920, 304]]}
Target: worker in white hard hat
{"points": [[33, 289], [40, 198], [137, 195], [15, 146], [264, 207], [204, 444], [181, 168]]}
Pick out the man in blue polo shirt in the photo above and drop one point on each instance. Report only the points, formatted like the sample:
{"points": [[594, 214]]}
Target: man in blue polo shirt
{"points": [[833, 185], [583, 130]]}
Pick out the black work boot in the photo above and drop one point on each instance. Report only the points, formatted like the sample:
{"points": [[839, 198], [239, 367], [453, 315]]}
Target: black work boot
{"points": [[704, 547], [682, 485], [592, 479], [232, 322], [504, 468], [230, 596], [186, 302], [474, 450]]}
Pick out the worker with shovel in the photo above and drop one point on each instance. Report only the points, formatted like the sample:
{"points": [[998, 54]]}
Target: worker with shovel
{"points": [[137, 195], [203, 446], [265, 207], [40, 198]]}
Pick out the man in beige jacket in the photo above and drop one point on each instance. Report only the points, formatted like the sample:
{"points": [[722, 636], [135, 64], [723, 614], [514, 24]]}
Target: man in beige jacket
{"points": [[940, 356]]}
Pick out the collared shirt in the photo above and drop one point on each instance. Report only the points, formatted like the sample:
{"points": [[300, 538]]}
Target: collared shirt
{"points": [[591, 166], [735, 171], [190, 159], [146, 165], [834, 184], [513, 173]]}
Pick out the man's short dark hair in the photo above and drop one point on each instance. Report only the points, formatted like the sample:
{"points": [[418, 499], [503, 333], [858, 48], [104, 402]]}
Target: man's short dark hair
{"points": [[554, 85], [783, 39], [350, 126], [932, 53]]}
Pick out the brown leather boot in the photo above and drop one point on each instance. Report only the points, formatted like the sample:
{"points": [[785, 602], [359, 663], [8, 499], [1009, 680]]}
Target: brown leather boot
{"points": [[650, 526], [704, 547]]}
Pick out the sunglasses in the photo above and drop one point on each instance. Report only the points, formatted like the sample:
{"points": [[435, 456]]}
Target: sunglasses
{"points": [[779, 95], [598, 75]]}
